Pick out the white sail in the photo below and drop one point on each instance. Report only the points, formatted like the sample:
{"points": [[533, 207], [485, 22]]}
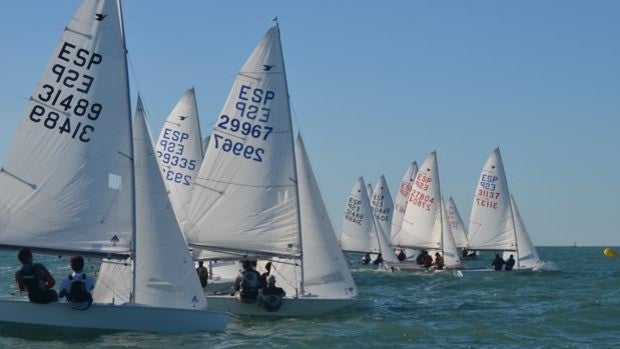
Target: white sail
{"points": [[369, 190], [245, 196], [326, 273], [165, 274], [66, 180], [422, 223], [358, 232], [456, 225], [491, 223], [526, 255], [382, 206], [402, 197], [180, 153], [450, 253]]}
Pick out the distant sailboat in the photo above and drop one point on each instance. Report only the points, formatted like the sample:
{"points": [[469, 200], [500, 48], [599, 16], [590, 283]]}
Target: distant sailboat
{"points": [[77, 180], [456, 226], [254, 192], [400, 204], [424, 225], [494, 224], [360, 230], [382, 206]]}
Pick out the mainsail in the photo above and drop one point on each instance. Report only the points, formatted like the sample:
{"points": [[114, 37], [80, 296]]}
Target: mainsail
{"points": [[422, 223], [491, 225], [358, 232], [66, 181], [382, 206], [245, 195], [450, 253], [402, 197], [180, 153], [456, 225]]}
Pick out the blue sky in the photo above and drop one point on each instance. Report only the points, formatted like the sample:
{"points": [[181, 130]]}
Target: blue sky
{"points": [[377, 84]]}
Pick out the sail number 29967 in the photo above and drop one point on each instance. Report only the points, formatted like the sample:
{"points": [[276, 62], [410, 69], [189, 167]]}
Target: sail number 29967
{"points": [[238, 148]]}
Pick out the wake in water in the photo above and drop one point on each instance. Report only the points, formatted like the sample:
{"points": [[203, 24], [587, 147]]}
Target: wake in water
{"points": [[546, 266]]}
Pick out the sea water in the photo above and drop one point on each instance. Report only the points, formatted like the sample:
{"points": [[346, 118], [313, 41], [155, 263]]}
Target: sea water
{"points": [[574, 307]]}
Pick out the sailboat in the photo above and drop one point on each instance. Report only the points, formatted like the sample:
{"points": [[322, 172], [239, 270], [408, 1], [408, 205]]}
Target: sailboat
{"points": [[425, 224], [457, 227], [78, 181], [382, 206], [494, 224], [400, 204], [360, 230], [180, 153], [251, 197]]}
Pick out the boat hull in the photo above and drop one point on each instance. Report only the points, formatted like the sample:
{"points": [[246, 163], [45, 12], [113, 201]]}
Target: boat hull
{"points": [[112, 317], [291, 307]]}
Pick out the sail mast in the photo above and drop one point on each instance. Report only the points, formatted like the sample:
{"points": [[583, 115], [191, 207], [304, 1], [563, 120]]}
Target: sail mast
{"points": [[288, 106], [132, 296], [202, 149]]}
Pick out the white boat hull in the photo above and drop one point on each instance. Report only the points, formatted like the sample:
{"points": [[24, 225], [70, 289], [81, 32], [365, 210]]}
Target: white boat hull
{"points": [[291, 307], [219, 286], [112, 317]]}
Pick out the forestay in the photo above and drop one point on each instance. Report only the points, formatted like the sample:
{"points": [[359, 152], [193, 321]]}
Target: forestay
{"points": [[456, 225], [491, 223], [422, 223], [358, 233], [66, 181], [180, 153], [165, 274], [402, 197], [527, 257], [382, 206], [244, 197]]}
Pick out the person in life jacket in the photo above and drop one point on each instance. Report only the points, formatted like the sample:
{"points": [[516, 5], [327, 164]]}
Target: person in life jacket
{"points": [[497, 262], [77, 286], [510, 263], [247, 283], [272, 296], [366, 259], [264, 276], [35, 279], [401, 256], [438, 261], [378, 260], [203, 274]]}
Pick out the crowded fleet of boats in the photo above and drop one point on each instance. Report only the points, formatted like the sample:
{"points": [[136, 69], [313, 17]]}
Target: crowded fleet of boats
{"points": [[83, 177]]}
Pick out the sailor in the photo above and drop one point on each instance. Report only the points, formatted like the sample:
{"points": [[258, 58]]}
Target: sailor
{"points": [[35, 279], [366, 259], [438, 263], [203, 274], [427, 260], [272, 296], [510, 263], [401, 256], [497, 262], [77, 286], [378, 260], [265, 275], [419, 258], [465, 253], [247, 283]]}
